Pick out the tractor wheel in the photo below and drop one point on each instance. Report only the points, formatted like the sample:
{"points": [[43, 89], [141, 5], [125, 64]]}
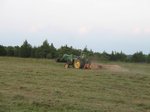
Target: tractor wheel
{"points": [[66, 65], [77, 64]]}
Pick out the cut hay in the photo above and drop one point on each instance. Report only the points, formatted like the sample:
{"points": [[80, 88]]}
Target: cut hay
{"points": [[115, 68]]}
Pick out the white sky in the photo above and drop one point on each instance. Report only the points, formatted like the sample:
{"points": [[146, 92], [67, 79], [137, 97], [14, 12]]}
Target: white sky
{"points": [[100, 24]]}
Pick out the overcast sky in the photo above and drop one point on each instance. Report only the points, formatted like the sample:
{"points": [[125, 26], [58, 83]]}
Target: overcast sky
{"points": [[118, 25]]}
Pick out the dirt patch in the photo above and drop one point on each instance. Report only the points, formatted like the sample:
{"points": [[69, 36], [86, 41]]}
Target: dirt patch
{"points": [[115, 68]]}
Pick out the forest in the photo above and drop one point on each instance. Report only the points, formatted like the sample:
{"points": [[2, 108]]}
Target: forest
{"points": [[49, 51]]}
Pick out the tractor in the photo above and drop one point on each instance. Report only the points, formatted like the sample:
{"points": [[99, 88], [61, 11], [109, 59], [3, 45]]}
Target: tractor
{"points": [[78, 62]]}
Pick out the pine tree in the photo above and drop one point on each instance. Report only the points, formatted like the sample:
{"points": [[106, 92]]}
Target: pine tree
{"points": [[2, 51], [25, 50]]}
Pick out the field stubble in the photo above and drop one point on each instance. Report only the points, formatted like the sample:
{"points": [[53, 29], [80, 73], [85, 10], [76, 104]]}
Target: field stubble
{"points": [[39, 85]]}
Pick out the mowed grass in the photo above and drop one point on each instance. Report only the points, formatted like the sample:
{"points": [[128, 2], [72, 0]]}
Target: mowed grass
{"points": [[40, 85]]}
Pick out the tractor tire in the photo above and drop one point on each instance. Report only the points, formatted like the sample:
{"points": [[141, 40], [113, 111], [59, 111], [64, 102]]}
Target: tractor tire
{"points": [[78, 63]]}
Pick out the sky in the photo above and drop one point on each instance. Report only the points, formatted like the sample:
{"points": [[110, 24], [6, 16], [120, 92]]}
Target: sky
{"points": [[101, 25]]}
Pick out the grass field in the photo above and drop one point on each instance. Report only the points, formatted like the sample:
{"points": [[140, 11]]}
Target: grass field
{"points": [[39, 85]]}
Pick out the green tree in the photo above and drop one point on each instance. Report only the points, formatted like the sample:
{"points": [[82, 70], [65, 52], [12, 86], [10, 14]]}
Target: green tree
{"points": [[2, 51], [64, 50], [148, 58], [138, 57], [68, 50], [17, 51], [85, 49], [116, 56], [88, 53], [33, 52], [45, 49], [25, 50], [112, 56], [10, 51], [53, 52], [105, 56], [38, 53]]}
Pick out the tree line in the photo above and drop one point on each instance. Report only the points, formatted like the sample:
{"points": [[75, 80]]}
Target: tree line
{"points": [[49, 51]]}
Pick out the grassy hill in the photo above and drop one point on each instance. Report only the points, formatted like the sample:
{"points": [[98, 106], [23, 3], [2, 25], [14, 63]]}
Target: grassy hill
{"points": [[39, 85]]}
